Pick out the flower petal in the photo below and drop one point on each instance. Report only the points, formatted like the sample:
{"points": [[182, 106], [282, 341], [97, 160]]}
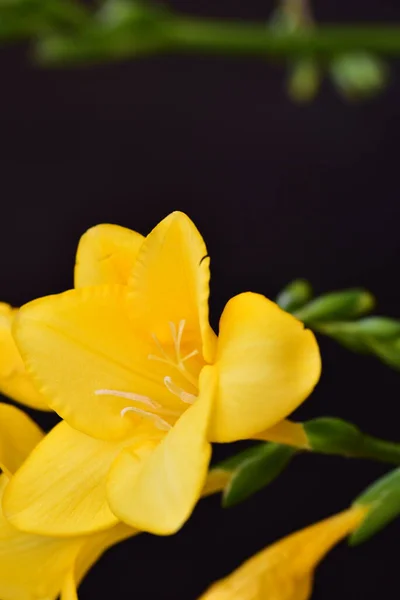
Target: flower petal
{"points": [[285, 432], [32, 566], [19, 434], [170, 283], [267, 365], [284, 571], [14, 380], [157, 492], [91, 551], [106, 254], [61, 489], [81, 342]]}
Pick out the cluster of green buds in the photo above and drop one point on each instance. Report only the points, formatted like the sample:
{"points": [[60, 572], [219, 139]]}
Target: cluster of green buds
{"points": [[341, 316]]}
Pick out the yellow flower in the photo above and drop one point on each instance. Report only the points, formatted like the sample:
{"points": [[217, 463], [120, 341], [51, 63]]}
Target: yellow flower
{"points": [[33, 566], [14, 381], [144, 385], [284, 571]]}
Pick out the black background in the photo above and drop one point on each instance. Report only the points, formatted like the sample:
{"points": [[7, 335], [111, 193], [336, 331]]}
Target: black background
{"points": [[278, 191]]}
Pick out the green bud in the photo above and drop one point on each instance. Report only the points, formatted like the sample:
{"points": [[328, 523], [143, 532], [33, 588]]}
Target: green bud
{"points": [[359, 75], [304, 80], [254, 469], [294, 295], [387, 350], [381, 328], [124, 12], [383, 498], [347, 334], [345, 304], [333, 436], [330, 435]]}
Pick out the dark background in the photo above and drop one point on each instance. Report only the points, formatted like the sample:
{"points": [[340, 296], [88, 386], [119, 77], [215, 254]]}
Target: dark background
{"points": [[278, 191]]}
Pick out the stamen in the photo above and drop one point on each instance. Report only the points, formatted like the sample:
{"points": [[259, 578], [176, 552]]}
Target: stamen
{"points": [[177, 391], [179, 339], [173, 331], [193, 353], [129, 396], [157, 420], [159, 346], [162, 360]]}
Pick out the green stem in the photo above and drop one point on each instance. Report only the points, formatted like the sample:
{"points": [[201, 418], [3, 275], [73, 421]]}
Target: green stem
{"points": [[170, 33], [254, 39]]}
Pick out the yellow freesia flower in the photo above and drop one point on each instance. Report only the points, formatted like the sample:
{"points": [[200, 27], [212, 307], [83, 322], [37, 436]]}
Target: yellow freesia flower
{"points": [[285, 570], [33, 566], [144, 385], [14, 380]]}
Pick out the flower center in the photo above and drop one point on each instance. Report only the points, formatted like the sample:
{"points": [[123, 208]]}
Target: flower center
{"points": [[154, 410]]}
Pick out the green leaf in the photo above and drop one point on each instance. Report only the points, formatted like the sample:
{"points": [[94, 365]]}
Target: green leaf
{"points": [[346, 304], [383, 497], [295, 295], [254, 469], [330, 435]]}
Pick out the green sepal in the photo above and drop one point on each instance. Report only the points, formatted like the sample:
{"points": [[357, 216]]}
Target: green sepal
{"points": [[383, 498], [345, 304], [254, 469], [295, 295], [330, 435]]}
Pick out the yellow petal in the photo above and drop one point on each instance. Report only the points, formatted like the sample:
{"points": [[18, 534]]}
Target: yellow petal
{"points": [[19, 434], [81, 342], [267, 365], [217, 480], [284, 571], [170, 283], [61, 488], [285, 432], [14, 381], [32, 566], [92, 550], [69, 589], [106, 254], [158, 492]]}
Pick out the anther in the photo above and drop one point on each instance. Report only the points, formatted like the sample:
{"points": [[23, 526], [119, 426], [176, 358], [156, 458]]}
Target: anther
{"points": [[177, 391], [157, 420]]}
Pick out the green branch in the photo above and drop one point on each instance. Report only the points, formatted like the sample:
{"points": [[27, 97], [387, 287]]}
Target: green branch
{"points": [[67, 32], [256, 40]]}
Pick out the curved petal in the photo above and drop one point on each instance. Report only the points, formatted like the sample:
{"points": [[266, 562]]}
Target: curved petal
{"points": [[19, 434], [285, 432], [106, 254], [32, 566], [14, 380], [170, 283], [61, 488], [92, 550], [157, 492], [284, 571], [267, 365], [81, 343]]}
